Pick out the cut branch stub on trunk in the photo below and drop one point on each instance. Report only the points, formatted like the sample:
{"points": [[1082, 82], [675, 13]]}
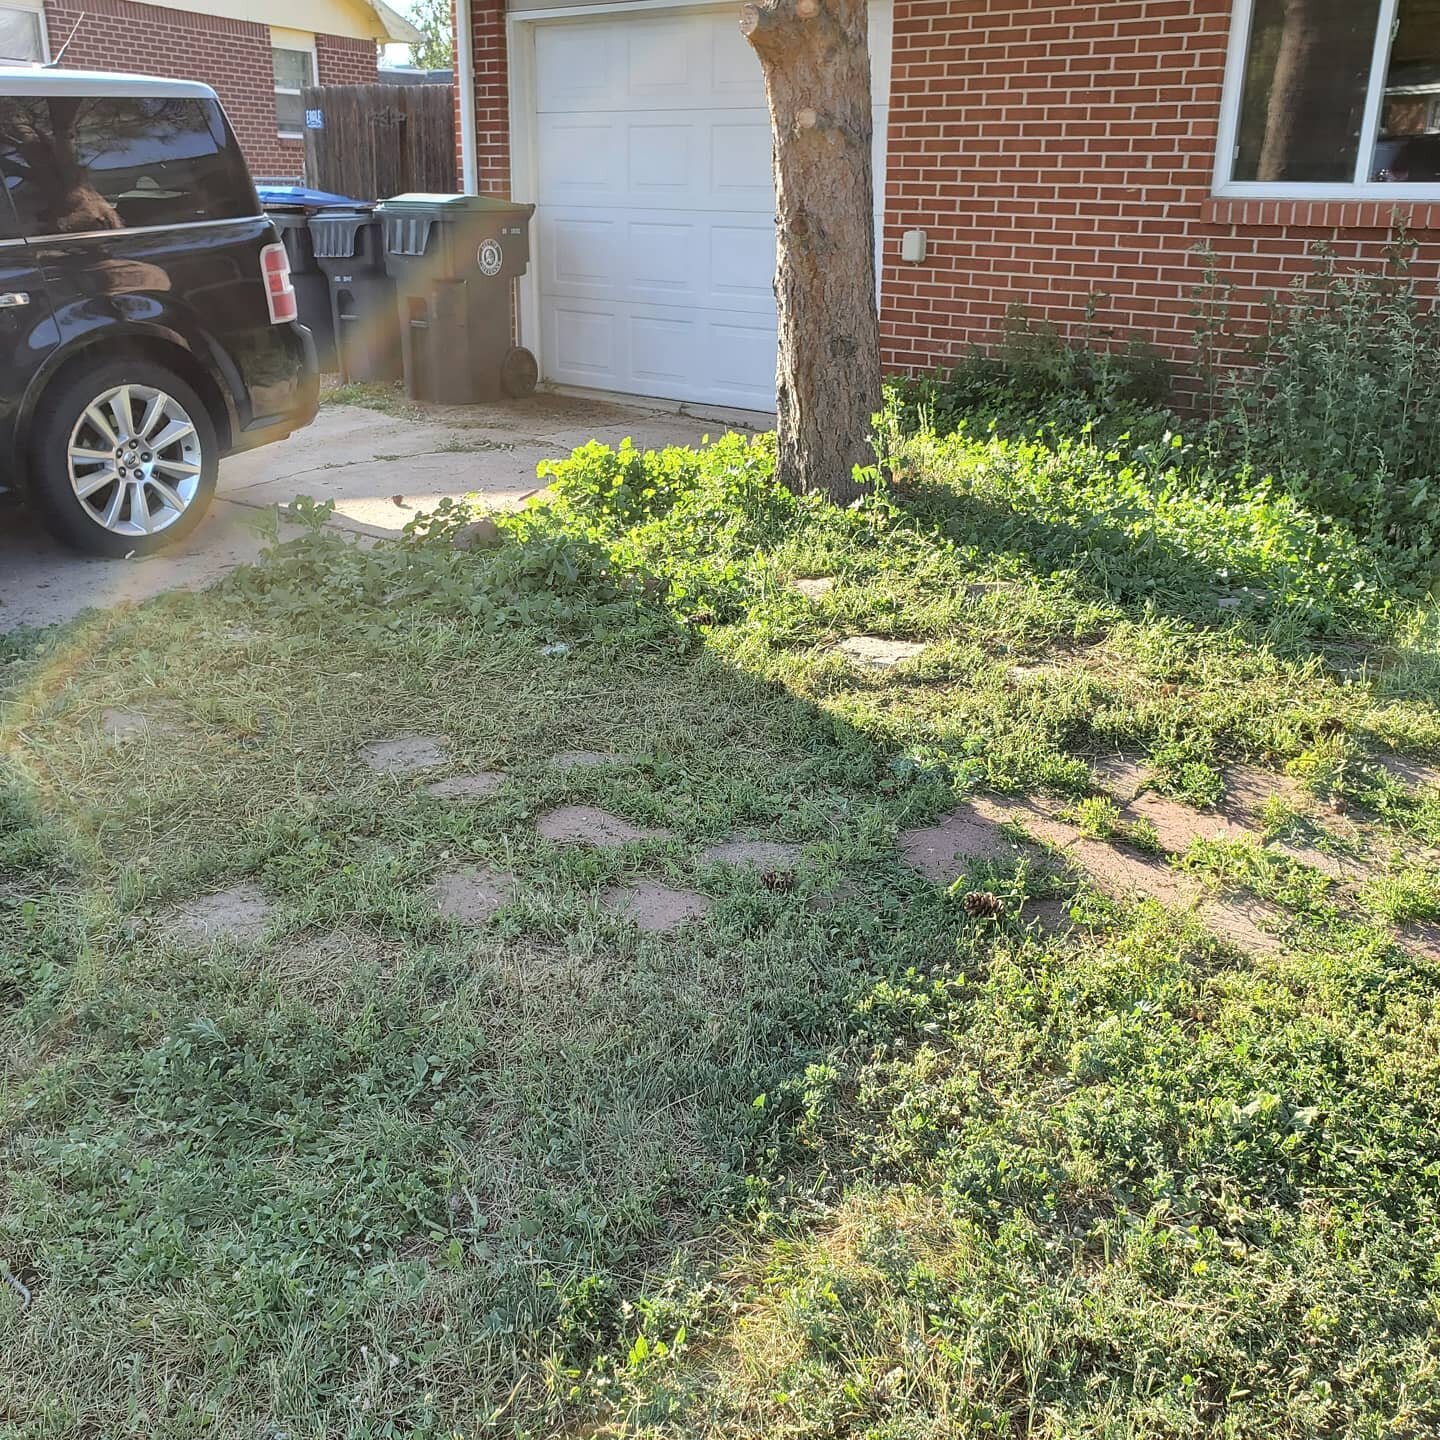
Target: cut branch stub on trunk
{"points": [[816, 62]]}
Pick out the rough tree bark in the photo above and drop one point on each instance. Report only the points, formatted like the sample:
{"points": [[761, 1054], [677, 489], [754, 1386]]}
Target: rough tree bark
{"points": [[815, 56]]}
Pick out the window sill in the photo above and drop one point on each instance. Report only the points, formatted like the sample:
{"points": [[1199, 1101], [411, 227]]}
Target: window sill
{"points": [[291, 135], [1324, 214]]}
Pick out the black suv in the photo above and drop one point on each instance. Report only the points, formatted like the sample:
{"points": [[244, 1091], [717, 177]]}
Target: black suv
{"points": [[147, 320]]}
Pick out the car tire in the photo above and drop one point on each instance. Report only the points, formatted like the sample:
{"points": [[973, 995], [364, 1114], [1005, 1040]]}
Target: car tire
{"points": [[110, 488]]}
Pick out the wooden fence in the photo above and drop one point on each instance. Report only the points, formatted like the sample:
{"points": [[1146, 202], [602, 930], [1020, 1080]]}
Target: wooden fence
{"points": [[374, 141]]}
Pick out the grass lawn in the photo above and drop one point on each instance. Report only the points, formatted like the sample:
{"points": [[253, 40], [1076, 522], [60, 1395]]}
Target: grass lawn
{"points": [[1070, 1067]]}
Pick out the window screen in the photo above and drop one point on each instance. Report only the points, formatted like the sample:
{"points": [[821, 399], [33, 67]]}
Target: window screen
{"points": [[20, 36], [294, 70], [76, 164]]}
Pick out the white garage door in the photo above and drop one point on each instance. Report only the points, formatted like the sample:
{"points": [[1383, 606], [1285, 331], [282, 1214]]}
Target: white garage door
{"points": [[654, 246]]}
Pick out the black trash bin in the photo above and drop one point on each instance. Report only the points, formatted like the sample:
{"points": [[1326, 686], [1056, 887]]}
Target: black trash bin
{"points": [[312, 291], [350, 251], [454, 260]]}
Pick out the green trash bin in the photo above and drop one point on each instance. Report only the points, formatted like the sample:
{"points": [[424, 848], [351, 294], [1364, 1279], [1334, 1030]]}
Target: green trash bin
{"points": [[454, 260]]}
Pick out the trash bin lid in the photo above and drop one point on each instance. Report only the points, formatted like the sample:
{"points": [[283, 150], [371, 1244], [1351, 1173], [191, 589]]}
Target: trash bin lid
{"points": [[302, 196], [451, 207], [333, 232]]}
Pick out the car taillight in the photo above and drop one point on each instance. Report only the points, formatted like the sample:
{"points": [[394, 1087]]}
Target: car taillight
{"points": [[279, 292]]}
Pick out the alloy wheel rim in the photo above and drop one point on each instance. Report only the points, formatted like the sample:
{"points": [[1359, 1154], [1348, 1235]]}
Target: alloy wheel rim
{"points": [[134, 460]]}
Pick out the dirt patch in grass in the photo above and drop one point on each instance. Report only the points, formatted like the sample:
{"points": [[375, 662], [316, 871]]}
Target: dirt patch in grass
{"points": [[241, 913], [976, 831], [769, 855], [405, 754], [124, 725], [1177, 825], [589, 825], [1047, 917], [471, 894], [480, 785], [656, 908], [877, 652], [1245, 922], [814, 587], [1422, 938], [1120, 776], [1249, 788], [1124, 875]]}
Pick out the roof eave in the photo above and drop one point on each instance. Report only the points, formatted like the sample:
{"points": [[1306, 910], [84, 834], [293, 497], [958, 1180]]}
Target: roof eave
{"points": [[398, 30]]}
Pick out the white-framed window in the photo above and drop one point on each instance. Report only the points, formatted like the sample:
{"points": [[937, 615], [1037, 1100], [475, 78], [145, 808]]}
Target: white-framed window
{"points": [[22, 35], [1332, 99], [293, 55]]}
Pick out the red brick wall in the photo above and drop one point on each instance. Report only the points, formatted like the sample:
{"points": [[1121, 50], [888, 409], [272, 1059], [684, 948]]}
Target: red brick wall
{"points": [[1054, 150], [492, 100], [341, 60], [231, 55]]}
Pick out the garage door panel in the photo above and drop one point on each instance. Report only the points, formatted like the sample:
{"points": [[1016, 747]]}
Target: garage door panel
{"points": [[735, 76], [580, 160], [645, 63], [742, 360], [686, 354], [742, 264], [658, 264], [740, 168], [579, 255], [723, 261], [578, 64], [660, 162], [690, 159], [583, 343], [662, 348], [665, 64]]}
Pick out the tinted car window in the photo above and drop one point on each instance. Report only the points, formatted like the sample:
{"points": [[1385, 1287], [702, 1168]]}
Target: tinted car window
{"points": [[78, 163]]}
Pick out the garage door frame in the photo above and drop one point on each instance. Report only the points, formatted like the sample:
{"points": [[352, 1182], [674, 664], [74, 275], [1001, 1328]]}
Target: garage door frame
{"points": [[524, 126]]}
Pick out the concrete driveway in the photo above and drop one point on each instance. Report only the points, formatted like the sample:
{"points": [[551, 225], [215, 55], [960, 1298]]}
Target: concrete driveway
{"points": [[380, 469]]}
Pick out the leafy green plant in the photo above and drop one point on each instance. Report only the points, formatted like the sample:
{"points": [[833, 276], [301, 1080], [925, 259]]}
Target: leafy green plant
{"points": [[1342, 403], [1409, 893], [1098, 817], [1036, 382]]}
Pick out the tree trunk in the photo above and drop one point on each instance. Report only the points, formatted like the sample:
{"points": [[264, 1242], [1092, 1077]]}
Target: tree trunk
{"points": [[816, 59], [1317, 93]]}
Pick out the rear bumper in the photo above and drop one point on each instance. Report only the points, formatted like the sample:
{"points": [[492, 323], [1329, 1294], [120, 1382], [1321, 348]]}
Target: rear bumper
{"points": [[290, 398]]}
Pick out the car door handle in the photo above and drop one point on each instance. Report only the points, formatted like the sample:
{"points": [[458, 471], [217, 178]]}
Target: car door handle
{"points": [[14, 300]]}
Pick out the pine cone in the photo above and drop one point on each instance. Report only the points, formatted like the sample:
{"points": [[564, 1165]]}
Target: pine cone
{"points": [[983, 905]]}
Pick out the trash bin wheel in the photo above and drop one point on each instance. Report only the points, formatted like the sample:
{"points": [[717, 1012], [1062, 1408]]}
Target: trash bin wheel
{"points": [[519, 373]]}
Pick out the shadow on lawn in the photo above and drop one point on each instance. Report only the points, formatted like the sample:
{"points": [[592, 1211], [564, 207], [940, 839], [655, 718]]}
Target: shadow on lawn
{"points": [[464, 1153]]}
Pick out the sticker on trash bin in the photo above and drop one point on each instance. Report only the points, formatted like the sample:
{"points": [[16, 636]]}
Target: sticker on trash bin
{"points": [[490, 257]]}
